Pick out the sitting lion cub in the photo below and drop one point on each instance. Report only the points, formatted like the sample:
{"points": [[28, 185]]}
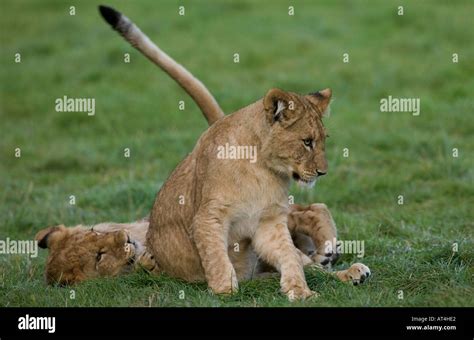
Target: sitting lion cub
{"points": [[110, 249], [234, 209]]}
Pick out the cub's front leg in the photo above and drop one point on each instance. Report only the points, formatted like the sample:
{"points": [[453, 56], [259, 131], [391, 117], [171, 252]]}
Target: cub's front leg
{"points": [[210, 237], [272, 242]]}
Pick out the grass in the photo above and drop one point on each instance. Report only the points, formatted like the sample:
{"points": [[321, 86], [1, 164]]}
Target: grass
{"points": [[408, 247]]}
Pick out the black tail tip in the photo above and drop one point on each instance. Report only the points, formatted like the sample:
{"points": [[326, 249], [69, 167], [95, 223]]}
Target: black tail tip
{"points": [[110, 15]]}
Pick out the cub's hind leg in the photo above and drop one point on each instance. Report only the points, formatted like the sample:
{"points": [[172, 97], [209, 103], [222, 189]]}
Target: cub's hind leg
{"points": [[316, 223]]}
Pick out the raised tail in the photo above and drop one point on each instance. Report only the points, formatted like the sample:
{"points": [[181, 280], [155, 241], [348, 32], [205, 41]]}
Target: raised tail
{"points": [[183, 77]]}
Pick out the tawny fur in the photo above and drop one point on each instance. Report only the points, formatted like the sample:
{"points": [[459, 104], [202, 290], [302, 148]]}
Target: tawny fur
{"points": [[228, 202], [231, 204], [193, 86], [107, 249], [232, 201], [73, 252]]}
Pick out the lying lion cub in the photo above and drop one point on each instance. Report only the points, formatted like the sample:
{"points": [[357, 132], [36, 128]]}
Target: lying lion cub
{"points": [[106, 249], [110, 249]]}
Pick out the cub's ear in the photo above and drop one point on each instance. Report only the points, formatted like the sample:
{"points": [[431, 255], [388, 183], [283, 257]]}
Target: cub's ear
{"points": [[47, 236], [322, 100], [276, 103]]}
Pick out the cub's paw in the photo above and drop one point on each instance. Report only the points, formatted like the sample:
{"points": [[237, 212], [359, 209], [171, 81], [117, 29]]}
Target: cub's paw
{"points": [[225, 290], [326, 260], [300, 294], [296, 289], [147, 261], [357, 273], [224, 284]]}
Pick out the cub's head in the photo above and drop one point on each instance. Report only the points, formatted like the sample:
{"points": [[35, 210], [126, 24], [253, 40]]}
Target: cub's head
{"points": [[77, 254], [296, 143]]}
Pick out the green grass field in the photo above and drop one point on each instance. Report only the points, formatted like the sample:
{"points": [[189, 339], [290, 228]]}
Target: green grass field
{"points": [[408, 247]]}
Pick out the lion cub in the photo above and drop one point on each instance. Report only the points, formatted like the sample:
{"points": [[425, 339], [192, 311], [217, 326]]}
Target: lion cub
{"points": [[81, 253], [233, 201], [109, 249], [214, 217]]}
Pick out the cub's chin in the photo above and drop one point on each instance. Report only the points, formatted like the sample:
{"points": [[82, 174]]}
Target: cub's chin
{"points": [[302, 183]]}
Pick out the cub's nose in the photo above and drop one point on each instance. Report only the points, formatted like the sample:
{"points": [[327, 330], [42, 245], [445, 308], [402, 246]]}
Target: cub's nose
{"points": [[321, 173]]}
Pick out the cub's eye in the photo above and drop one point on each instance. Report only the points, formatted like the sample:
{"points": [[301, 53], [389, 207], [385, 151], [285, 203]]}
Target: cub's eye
{"points": [[308, 142], [99, 256]]}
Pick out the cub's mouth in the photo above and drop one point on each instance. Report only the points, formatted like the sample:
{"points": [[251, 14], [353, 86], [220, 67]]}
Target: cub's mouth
{"points": [[136, 250], [131, 261], [133, 251], [304, 181]]}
